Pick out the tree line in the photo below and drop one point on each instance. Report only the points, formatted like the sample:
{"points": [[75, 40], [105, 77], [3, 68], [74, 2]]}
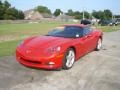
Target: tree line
{"points": [[9, 13], [105, 14]]}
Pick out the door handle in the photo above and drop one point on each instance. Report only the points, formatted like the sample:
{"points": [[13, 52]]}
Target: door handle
{"points": [[88, 36]]}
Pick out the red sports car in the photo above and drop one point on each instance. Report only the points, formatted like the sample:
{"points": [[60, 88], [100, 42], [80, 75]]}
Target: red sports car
{"points": [[60, 48]]}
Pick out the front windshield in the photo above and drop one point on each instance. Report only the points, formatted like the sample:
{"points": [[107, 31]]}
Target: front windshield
{"points": [[67, 32]]}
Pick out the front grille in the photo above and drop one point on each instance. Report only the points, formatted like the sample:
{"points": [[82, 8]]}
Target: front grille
{"points": [[30, 61]]}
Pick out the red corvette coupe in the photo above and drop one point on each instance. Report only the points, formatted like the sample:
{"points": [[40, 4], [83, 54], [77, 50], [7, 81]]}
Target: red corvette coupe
{"points": [[60, 48]]}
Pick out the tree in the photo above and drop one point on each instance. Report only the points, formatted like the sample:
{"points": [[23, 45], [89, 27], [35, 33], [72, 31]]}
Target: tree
{"points": [[0, 2], [95, 14], [21, 14], [108, 14], [43, 9], [70, 12], [1, 10], [13, 14], [6, 4], [77, 15], [117, 16], [98, 14], [57, 12], [3, 7], [8, 12], [86, 14]]}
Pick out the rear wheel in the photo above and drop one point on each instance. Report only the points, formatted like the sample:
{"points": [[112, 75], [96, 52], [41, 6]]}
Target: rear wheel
{"points": [[69, 59], [99, 44]]}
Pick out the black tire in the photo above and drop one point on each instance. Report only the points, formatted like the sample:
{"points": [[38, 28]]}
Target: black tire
{"points": [[65, 61]]}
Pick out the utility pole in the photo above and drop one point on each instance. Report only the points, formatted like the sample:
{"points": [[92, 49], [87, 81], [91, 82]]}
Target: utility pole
{"points": [[83, 13], [112, 16]]}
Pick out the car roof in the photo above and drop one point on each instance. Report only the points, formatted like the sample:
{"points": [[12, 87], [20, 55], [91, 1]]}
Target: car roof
{"points": [[76, 25]]}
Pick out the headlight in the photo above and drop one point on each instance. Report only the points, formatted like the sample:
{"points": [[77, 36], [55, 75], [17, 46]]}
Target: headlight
{"points": [[54, 49]]}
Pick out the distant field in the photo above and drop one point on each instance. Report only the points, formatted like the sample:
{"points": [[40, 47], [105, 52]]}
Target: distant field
{"points": [[40, 28], [11, 34], [109, 28], [23, 30]]}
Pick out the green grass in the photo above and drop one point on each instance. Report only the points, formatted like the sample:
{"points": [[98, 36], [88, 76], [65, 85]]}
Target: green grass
{"points": [[40, 28], [8, 48], [28, 29], [109, 28], [24, 30]]}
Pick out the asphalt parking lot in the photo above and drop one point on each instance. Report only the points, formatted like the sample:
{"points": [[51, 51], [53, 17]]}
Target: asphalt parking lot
{"points": [[98, 70]]}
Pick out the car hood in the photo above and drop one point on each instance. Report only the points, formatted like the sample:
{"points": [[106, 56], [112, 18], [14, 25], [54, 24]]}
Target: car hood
{"points": [[46, 41]]}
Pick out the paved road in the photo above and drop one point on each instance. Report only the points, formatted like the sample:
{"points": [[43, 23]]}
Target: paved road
{"points": [[95, 71]]}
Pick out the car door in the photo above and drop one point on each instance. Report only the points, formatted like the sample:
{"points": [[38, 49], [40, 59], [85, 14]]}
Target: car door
{"points": [[79, 45], [88, 39], [78, 42]]}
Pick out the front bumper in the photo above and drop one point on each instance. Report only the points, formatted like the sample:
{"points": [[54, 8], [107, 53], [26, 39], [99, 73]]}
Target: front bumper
{"points": [[48, 62]]}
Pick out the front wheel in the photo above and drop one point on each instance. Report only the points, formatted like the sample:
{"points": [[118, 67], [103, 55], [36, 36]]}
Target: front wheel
{"points": [[99, 44], [69, 59]]}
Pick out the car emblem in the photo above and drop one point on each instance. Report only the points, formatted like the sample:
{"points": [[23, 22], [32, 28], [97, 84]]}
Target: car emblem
{"points": [[28, 51]]}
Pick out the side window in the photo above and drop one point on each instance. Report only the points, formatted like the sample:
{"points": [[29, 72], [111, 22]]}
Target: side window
{"points": [[86, 31], [79, 31], [75, 30]]}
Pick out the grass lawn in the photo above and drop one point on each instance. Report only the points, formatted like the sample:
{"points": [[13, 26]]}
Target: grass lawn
{"points": [[8, 48], [28, 28], [16, 32], [109, 28]]}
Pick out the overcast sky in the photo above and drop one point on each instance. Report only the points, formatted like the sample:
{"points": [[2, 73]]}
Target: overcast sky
{"points": [[64, 5]]}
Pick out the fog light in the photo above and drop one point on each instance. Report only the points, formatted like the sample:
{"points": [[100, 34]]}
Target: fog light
{"points": [[51, 63]]}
